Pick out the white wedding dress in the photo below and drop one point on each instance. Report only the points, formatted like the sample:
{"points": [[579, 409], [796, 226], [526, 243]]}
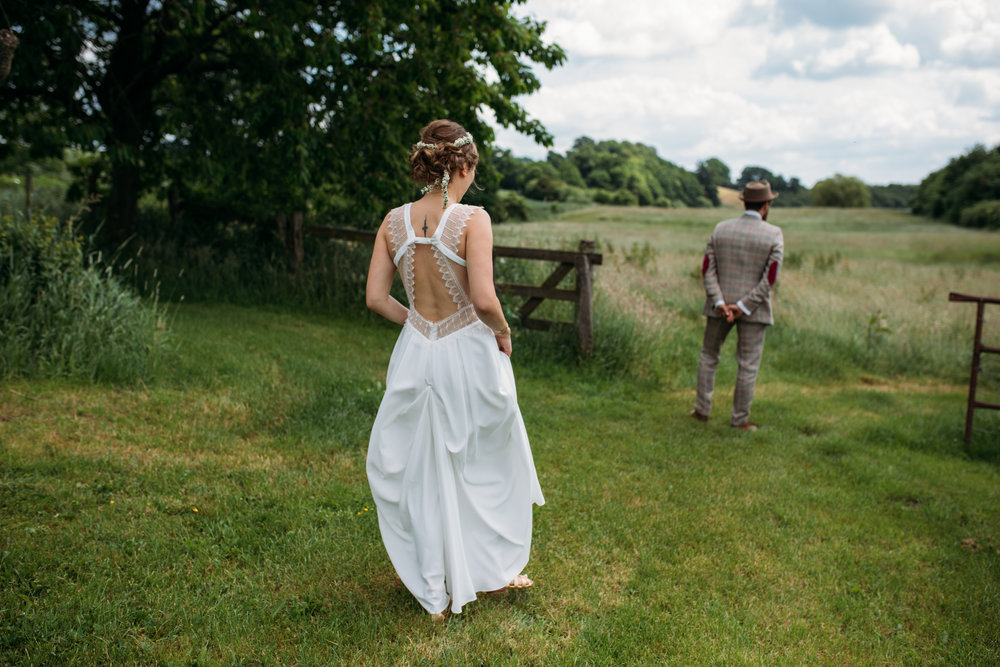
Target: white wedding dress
{"points": [[449, 463]]}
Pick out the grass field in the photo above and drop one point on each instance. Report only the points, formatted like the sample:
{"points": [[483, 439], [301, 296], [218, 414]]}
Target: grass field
{"points": [[221, 515]]}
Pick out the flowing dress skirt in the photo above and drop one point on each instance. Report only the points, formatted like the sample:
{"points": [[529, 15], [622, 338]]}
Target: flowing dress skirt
{"points": [[450, 467]]}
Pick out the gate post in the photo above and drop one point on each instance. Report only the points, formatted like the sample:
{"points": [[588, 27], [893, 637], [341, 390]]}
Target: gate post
{"points": [[977, 351], [585, 298], [291, 237], [977, 343]]}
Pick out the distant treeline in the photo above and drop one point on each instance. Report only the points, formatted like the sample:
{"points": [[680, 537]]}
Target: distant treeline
{"points": [[632, 174], [966, 192], [606, 172]]}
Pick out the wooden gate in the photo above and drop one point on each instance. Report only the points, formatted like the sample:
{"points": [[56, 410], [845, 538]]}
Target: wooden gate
{"points": [[583, 262], [977, 350]]}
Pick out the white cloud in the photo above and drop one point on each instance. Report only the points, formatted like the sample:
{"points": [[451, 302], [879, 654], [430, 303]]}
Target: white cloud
{"points": [[979, 46], [889, 98], [821, 53], [830, 13], [957, 32], [594, 28]]}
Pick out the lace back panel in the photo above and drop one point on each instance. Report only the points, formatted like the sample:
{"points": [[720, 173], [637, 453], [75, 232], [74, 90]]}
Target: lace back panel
{"points": [[445, 243]]}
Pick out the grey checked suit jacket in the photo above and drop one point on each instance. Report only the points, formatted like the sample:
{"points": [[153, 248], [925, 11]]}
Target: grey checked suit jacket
{"points": [[741, 263]]}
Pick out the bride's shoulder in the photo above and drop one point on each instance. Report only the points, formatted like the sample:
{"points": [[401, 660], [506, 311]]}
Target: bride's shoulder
{"points": [[474, 214], [394, 223], [395, 215]]}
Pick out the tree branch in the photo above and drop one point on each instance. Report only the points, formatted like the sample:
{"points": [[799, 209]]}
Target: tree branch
{"points": [[180, 61]]}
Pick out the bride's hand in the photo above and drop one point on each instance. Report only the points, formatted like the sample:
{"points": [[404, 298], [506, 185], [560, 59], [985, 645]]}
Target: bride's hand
{"points": [[503, 342]]}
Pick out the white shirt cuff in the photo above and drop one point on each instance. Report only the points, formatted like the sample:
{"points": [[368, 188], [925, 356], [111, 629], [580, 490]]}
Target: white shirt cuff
{"points": [[742, 307], [720, 302]]}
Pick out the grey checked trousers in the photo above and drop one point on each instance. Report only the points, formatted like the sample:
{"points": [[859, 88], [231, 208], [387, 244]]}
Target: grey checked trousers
{"points": [[749, 349]]}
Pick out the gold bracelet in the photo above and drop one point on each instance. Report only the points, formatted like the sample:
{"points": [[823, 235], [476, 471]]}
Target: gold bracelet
{"points": [[503, 332]]}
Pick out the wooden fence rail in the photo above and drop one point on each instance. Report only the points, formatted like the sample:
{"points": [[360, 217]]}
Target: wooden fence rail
{"points": [[977, 350], [583, 261]]}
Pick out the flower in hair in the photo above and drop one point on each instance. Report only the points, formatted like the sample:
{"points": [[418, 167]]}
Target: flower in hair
{"points": [[441, 182], [461, 141]]}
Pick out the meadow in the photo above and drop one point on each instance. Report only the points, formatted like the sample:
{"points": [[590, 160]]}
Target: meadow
{"points": [[220, 513]]}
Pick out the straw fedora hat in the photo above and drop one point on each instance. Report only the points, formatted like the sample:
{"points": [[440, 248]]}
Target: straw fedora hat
{"points": [[758, 191]]}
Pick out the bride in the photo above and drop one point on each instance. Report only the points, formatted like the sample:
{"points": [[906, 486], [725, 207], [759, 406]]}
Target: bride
{"points": [[449, 463]]}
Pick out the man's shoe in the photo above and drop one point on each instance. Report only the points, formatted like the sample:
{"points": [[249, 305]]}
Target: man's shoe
{"points": [[697, 415], [746, 426]]}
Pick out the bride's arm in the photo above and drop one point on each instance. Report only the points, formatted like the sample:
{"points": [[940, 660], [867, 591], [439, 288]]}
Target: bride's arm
{"points": [[380, 274], [479, 263]]}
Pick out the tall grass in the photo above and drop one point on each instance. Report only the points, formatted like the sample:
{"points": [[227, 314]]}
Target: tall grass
{"points": [[47, 199], [241, 263], [64, 315], [861, 291]]}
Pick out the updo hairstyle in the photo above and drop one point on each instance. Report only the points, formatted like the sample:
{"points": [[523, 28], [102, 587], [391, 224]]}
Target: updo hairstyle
{"points": [[427, 165]]}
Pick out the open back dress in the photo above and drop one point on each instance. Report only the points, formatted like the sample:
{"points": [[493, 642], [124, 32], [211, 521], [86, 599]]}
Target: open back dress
{"points": [[449, 463]]}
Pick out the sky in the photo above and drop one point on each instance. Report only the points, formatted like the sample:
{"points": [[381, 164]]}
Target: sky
{"points": [[883, 90]]}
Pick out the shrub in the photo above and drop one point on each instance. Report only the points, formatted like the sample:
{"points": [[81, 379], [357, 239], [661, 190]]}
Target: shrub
{"points": [[893, 195], [842, 191], [983, 215], [578, 195], [602, 197], [62, 317], [545, 188], [622, 197], [510, 206]]}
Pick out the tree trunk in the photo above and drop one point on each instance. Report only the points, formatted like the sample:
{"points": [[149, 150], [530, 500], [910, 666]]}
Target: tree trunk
{"points": [[293, 242], [93, 181], [174, 203], [126, 94], [123, 204], [29, 186]]}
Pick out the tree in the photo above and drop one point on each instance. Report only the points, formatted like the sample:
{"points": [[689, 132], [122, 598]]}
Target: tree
{"points": [[792, 192], [756, 173], [513, 170], [841, 191], [894, 195], [713, 173], [635, 168], [584, 156], [567, 171], [966, 180], [609, 167], [264, 101], [545, 188]]}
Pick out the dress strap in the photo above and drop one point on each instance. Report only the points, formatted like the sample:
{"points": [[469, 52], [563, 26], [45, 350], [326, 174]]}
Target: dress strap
{"points": [[445, 250], [410, 236], [444, 221]]}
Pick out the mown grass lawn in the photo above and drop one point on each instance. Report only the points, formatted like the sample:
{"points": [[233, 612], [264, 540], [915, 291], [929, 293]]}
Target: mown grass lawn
{"points": [[221, 514]]}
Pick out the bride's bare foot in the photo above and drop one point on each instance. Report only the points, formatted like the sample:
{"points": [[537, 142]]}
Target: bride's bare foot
{"points": [[518, 582]]}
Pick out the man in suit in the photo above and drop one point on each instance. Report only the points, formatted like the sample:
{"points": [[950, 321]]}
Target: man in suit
{"points": [[741, 265]]}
